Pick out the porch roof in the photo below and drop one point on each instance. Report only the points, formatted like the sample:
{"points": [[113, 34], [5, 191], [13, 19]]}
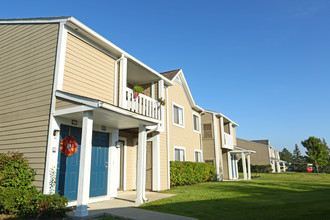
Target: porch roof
{"points": [[239, 150], [104, 113]]}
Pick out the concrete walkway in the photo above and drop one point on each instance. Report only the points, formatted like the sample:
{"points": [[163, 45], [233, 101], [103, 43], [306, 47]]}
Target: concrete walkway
{"points": [[124, 207]]}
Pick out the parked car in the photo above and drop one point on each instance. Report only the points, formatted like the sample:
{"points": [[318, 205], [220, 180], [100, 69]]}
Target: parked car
{"points": [[309, 169]]}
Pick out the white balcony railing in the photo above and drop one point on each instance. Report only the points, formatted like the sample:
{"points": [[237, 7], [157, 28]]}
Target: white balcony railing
{"points": [[228, 141], [143, 105]]}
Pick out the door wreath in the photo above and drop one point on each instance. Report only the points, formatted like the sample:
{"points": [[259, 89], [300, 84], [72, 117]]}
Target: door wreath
{"points": [[66, 143]]}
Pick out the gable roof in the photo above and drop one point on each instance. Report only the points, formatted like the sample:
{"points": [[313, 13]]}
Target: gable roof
{"points": [[87, 32], [172, 75], [222, 115]]}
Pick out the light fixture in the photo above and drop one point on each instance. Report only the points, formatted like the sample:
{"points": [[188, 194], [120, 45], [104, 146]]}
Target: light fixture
{"points": [[74, 122], [56, 132], [103, 128], [118, 144]]}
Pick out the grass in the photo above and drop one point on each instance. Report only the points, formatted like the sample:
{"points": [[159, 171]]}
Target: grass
{"points": [[272, 196]]}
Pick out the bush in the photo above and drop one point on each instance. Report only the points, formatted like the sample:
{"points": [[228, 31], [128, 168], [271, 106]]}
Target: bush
{"points": [[187, 173], [261, 168], [17, 194]]}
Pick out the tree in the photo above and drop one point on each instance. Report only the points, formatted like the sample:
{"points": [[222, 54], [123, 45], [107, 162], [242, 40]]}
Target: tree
{"points": [[317, 151], [297, 158], [286, 155]]}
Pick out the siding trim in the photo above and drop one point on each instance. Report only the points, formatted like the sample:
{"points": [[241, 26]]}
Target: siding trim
{"points": [[51, 154]]}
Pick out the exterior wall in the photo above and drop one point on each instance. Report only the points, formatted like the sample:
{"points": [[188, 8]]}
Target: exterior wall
{"points": [[131, 154], [225, 163], [261, 157], [183, 137], [164, 151], [234, 136], [88, 71], [27, 63], [63, 104], [208, 143]]}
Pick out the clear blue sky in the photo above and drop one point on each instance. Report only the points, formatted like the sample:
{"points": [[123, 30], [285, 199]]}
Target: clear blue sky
{"points": [[264, 64]]}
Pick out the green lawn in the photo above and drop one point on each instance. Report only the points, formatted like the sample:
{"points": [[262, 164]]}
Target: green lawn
{"points": [[272, 196]]}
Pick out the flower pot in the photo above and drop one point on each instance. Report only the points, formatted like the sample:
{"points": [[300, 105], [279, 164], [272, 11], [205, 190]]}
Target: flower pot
{"points": [[135, 95]]}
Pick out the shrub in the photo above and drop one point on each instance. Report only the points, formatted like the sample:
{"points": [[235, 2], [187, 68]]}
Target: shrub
{"points": [[187, 173], [17, 194], [261, 168]]}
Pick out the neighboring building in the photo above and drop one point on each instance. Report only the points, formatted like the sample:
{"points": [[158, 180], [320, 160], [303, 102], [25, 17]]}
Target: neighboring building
{"points": [[265, 153], [61, 79], [219, 146]]}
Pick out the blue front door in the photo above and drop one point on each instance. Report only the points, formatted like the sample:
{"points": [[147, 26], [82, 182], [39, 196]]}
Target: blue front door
{"points": [[68, 167], [99, 169]]}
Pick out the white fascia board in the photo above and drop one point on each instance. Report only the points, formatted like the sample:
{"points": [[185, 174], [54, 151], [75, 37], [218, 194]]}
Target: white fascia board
{"points": [[128, 113], [34, 20], [76, 109], [107, 42], [187, 90], [98, 104], [79, 99]]}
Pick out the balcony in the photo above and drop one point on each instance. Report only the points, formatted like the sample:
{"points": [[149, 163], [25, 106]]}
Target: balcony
{"points": [[228, 141], [143, 105]]}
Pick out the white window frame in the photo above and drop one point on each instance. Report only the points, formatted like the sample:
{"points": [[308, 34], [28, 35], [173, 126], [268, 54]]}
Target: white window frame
{"points": [[199, 151], [183, 123], [199, 122], [179, 148]]}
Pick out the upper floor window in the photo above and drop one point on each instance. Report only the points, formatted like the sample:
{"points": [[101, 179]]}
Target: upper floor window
{"points": [[179, 154], [178, 117], [207, 131], [196, 122]]}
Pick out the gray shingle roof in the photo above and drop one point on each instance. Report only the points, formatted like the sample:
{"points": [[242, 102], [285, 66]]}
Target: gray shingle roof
{"points": [[170, 74]]}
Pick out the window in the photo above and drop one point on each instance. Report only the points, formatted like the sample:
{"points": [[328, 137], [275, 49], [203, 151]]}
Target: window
{"points": [[196, 122], [198, 156], [207, 131], [178, 115], [179, 154]]}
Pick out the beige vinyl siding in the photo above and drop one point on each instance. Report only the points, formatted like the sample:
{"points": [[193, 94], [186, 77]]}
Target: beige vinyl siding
{"points": [[63, 104], [183, 137], [225, 164], [234, 136], [163, 152], [88, 71], [27, 65], [261, 157]]}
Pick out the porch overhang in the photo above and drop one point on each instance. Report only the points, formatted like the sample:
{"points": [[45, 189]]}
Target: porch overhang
{"points": [[239, 150], [104, 113]]}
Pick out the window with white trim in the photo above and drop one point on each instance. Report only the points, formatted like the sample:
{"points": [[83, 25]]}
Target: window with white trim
{"points": [[179, 154], [198, 156], [196, 122], [178, 115]]}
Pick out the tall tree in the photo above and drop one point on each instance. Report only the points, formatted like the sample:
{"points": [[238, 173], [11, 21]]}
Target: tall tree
{"points": [[296, 156], [286, 155], [317, 151]]}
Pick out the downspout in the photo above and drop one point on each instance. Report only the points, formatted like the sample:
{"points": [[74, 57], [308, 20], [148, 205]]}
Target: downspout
{"points": [[168, 142]]}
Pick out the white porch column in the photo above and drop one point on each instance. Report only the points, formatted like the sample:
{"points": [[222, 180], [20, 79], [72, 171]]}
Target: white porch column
{"points": [[244, 166], [278, 166], [113, 164], [249, 166], [140, 163], [229, 166], [85, 164], [155, 162], [122, 82]]}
